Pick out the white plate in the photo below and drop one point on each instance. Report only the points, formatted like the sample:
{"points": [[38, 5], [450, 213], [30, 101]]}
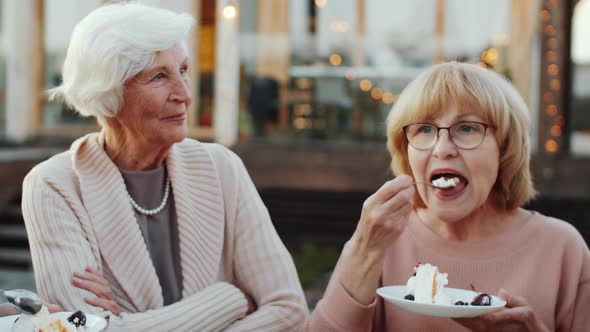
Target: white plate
{"points": [[395, 295], [93, 323]]}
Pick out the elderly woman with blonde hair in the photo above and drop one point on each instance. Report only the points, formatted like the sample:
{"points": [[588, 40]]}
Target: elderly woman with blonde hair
{"points": [[137, 223], [466, 126]]}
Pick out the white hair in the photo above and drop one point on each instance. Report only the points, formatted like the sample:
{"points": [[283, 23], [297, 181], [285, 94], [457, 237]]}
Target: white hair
{"points": [[111, 45]]}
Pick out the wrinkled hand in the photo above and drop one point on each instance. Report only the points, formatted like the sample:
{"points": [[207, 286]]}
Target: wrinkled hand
{"points": [[384, 215], [517, 316], [94, 282], [7, 310]]}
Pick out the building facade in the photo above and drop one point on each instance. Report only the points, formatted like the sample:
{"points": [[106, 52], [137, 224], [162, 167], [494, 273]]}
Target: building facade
{"points": [[301, 88]]}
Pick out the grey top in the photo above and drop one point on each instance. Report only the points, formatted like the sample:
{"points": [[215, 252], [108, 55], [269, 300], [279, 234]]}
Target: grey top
{"points": [[159, 231]]}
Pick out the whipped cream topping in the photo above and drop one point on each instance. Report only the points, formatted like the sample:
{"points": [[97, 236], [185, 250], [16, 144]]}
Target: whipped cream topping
{"points": [[427, 286], [446, 183]]}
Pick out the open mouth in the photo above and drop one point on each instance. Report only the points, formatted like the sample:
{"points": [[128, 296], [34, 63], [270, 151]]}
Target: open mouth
{"points": [[448, 182]]}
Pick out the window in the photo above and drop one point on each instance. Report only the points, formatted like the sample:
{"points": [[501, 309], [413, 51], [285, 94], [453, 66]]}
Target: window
{"points": [[2, 71], [60, 18], [333, 69], [580, 89]]}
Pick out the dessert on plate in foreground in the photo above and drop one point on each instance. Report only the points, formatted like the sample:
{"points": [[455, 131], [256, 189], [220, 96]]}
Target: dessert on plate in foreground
{"points": [[43, 321], [427, 286]]}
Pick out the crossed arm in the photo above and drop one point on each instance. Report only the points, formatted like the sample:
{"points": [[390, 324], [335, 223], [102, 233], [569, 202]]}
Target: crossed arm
{"points": [[60, 248]]}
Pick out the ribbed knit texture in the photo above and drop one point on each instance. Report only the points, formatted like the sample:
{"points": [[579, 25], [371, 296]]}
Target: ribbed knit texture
{"points": [[546, 261], [77, 215]]}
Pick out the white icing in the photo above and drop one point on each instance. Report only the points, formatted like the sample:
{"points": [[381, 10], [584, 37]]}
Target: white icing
{"points": [[422, 286], [446, 183]]}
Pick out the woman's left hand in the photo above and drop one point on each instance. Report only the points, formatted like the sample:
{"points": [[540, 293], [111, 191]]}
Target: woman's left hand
{"points": [[7, 310], [94, 282], [517, 316]]}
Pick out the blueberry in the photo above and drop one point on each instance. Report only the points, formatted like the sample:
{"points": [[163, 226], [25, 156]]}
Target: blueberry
{"points": [[78, 318], [460, 303], [409, 297], [482, 299]]}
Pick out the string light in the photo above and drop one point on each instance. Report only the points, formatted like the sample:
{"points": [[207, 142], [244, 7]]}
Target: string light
{"points": [[555, 131], [335, 59], [560, 120], [490, 56], [388, 98], [551, 146], [320, 3], [551, 56], [545, 15], [548, 97], [553, 84], [365, 85], [550, 30], [376, 93], [230, 12]]}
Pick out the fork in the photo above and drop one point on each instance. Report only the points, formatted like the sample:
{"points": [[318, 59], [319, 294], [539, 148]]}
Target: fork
{"points": [[23, 300]]}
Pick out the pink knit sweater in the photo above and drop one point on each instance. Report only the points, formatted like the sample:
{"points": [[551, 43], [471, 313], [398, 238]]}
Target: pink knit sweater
{"points": [[77, 214], [546, 261]]}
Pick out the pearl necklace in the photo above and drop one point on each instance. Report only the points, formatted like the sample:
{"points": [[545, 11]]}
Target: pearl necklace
{"points": [[153, 211]]}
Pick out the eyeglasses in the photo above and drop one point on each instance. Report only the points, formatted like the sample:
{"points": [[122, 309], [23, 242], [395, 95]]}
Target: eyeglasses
{"points": [[465, 135]]}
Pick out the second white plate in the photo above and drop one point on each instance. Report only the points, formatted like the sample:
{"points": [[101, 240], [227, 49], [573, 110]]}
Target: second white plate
{"points": [[395, 295]]}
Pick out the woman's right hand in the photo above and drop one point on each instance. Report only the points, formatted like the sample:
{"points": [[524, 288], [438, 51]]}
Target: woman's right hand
{"points": [[384, 216], [94, 282]]}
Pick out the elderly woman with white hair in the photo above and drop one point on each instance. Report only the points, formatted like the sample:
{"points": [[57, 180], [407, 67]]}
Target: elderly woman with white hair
{"points": [[137, 223]]}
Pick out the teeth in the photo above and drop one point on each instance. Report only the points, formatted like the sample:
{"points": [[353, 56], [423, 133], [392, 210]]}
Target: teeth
{"points": [[445, 183]]}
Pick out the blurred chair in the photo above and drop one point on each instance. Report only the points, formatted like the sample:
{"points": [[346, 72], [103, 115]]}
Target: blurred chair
{"points": [[263, 103], [333, 107]]}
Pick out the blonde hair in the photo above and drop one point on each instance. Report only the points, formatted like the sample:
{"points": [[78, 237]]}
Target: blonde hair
{"points": [[484, 91]]}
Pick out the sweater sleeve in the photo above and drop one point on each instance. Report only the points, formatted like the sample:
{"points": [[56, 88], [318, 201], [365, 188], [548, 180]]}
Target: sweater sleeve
{"points": [[263, 266], [581, 319], [60, 246], [338, 310], [575, 315]]}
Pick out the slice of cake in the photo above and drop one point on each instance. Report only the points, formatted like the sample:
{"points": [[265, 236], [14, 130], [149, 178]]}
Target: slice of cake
{"points": [[43, 321], [427, 285]]}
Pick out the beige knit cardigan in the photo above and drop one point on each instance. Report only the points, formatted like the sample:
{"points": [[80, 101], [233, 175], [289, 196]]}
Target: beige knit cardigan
{"points": [[77, 214]]}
